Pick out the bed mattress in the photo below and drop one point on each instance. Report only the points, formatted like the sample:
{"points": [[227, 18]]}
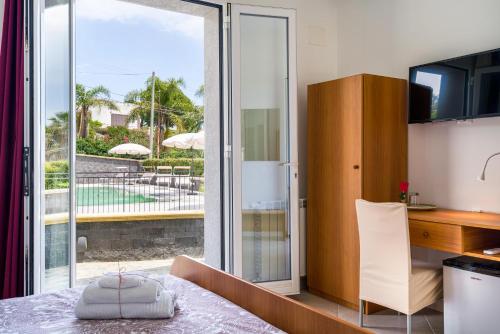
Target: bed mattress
{"points": [[199, 311]]}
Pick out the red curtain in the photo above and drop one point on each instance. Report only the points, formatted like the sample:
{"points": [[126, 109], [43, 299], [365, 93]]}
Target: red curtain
{"points": [[11, 151]]}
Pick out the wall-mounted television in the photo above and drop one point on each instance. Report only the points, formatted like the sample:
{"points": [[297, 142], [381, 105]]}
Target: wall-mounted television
{"points": [[454, 89]]}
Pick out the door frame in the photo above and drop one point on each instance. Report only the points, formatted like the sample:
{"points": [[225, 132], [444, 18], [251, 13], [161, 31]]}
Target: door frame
{"points": [[34, 141], [291, 286]]}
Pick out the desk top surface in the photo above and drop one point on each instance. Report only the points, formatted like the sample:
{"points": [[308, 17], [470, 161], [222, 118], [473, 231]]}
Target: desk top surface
{"points": [[455, 217]]}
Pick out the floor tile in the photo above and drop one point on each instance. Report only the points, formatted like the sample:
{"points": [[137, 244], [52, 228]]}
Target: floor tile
{"points": [[317, 302], [435, 320], [387, 321]]}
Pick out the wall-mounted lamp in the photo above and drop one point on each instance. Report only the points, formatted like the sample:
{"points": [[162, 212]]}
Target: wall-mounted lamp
{"points": [[482, 177]]}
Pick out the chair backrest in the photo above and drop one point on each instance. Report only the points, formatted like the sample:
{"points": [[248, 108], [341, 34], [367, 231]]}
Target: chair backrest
{"points": [[182, 170], [165, 170], [385, 258], [150, 169]]}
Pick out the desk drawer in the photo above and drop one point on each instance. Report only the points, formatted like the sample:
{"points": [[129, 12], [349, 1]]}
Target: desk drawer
{"points": [[443, 237]]}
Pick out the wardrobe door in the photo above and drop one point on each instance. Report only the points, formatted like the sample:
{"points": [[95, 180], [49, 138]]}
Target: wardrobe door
{"points": [[334, 182], [385, 138]]}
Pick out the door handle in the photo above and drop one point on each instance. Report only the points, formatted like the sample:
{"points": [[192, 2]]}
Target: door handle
{"points": [[284, 163], [26, 172]]}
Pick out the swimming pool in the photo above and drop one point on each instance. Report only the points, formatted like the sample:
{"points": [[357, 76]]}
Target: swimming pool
{"points": [[105, 195]]}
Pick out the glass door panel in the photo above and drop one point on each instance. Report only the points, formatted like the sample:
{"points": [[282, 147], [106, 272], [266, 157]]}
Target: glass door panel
{"points": [[264, 137], [264, 110], [55, 109]]}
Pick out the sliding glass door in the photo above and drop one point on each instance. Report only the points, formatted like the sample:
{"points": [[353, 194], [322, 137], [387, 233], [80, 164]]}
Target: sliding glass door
{"points": [[265, 202], [260, 172], [53, 149], [114, 207]]}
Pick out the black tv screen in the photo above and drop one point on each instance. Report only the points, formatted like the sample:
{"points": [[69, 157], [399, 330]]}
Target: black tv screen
{"points": [[454, 89]]}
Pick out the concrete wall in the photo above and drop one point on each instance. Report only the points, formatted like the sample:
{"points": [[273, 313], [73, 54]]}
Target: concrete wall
{"points": [[388, 36], [93, 164], [126, 240], [56, 245], [56, 201], [140, 240]]}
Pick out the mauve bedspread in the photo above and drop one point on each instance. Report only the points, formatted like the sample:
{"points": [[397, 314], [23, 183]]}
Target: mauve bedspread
{"points": [[200, 311]]}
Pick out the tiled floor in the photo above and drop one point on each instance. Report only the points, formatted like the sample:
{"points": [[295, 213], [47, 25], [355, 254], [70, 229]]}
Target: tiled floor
{"points": [[426, 321]]}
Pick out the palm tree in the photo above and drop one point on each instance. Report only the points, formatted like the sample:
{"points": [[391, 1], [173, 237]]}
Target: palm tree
{"points": [[200, 92], [98, 96], [173, 109], [56, 137]]}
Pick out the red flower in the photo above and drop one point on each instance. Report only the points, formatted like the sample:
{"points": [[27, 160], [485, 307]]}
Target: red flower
{"points": [[403, 186]]}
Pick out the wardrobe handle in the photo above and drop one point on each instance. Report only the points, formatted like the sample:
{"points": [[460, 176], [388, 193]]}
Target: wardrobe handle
{"points": [[355, 166]]}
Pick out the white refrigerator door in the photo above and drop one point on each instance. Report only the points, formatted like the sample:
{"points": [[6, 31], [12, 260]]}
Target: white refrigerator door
{"points": [[471, 302]]}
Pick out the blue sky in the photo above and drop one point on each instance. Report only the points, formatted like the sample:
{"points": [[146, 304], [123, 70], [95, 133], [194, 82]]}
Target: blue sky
{"points": [[114, 37]]}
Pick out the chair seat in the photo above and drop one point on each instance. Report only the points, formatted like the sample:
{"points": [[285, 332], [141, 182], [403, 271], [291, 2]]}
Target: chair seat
{"points": [[426, 286]]}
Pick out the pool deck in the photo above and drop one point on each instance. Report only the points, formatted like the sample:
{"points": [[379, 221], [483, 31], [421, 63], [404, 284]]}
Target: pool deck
{"points": [[166, 199]]}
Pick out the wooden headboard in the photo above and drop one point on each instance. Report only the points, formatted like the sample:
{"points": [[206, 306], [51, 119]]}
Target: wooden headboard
{"points": [[280, 311]]}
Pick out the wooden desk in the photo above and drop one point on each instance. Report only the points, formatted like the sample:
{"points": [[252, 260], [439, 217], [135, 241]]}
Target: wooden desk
{"points": [[459, 232]]}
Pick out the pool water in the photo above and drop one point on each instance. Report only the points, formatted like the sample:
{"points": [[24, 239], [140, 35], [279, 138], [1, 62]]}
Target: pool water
{"points": [[107, 196]]}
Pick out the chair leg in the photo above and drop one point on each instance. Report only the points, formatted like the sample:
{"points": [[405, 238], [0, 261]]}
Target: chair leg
{"points": [[408, 324], [361, 312]]}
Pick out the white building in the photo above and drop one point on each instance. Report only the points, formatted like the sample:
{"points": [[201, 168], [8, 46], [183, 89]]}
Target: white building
{"points": [[118, 117]]}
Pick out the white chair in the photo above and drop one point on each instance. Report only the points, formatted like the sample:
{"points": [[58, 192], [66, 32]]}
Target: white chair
{"points": [[386, 275]]}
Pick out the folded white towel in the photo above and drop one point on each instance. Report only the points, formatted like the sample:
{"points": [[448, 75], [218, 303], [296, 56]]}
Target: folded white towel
{"points": [[147, 292], [122, 281], [163, 308]]}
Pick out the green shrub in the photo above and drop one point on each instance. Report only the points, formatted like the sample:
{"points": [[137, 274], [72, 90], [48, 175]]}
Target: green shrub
{"points": [[116, 135], [139, 136], [92, 146], [57, 175], [198, 163], [178, 153]]}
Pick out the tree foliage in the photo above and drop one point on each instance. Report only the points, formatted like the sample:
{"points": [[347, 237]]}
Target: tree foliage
{"points": [[174, 111], [98, 96]]}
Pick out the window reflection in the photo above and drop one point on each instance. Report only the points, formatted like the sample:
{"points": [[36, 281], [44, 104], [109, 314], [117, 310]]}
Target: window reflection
{"points": [[433, 81]]}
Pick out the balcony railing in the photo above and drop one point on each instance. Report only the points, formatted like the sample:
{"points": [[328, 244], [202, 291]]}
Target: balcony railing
{"points": [[112, 192]]}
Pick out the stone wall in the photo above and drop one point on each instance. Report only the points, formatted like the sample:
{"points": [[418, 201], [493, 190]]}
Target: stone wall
{"points": [[93, 164], [56, 201], [126, 240], [56, 245]]}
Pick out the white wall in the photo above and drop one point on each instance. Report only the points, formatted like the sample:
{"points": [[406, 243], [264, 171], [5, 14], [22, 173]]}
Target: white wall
{"points": [[387, 37]]}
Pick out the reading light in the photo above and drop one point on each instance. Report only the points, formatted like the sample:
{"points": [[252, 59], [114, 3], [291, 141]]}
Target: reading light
{"points": [[482, 177]]}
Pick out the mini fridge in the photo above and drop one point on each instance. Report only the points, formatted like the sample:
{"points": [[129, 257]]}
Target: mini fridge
{"points": [[471, 296]]}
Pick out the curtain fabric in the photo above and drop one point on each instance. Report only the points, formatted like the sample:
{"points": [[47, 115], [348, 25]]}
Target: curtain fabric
{"points": [[11, 151]]}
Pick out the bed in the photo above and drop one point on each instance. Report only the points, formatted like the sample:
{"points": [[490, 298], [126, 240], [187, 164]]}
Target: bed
{"points": [[210, 301]]}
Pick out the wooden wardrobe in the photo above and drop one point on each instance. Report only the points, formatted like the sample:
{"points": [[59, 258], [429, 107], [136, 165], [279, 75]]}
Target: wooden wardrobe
{"points": [[357, 148]]}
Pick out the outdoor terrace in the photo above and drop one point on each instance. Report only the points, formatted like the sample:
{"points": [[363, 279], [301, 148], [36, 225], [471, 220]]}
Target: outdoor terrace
{"points": [[131, 220]]}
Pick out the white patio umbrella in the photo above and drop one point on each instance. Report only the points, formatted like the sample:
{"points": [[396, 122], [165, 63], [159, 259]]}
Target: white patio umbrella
{"points": [[129, 149], [186, 141]]}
